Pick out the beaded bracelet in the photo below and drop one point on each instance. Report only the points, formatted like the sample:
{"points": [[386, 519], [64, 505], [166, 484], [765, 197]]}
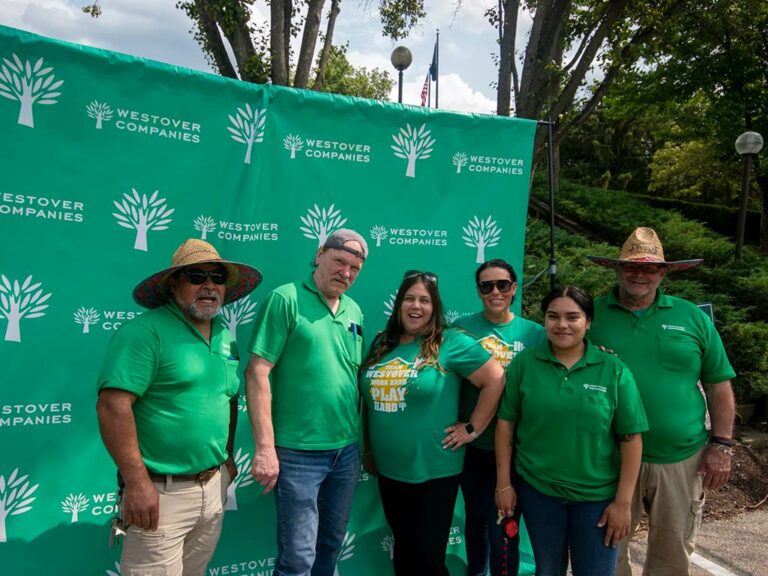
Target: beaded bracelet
{"points": [[500, 490]]}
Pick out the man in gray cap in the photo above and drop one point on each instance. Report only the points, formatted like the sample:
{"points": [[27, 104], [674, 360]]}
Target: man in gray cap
{"points": [[308, 340]]}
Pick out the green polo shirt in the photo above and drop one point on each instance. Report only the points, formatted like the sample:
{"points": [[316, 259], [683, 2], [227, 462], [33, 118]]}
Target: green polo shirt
{"points": [[184, 386], [669, 348], [316, 354], [568, 420], [503, 342], [410, 405]]}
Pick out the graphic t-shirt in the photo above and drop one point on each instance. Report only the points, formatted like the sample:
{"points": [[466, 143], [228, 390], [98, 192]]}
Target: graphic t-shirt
{"points": [[409, 404]]}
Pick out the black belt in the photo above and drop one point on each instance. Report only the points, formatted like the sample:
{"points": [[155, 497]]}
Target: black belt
{"points": [[201, 478]]}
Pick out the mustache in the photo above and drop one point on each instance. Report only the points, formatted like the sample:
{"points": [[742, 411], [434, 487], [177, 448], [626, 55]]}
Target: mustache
{"points": [[208, 293]]}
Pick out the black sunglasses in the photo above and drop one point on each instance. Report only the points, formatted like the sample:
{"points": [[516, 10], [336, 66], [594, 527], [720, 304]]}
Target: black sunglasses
{"points": [[197, 276], [428, 276], [487, 286]]}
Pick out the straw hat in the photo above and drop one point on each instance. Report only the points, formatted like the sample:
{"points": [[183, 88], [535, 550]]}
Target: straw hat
{"points": [[241, 278], [644, 246]]}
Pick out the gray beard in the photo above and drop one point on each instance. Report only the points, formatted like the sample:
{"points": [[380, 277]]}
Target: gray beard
{"points": [[193, 311]]}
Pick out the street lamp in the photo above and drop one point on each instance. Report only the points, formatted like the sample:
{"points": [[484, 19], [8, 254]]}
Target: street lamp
{"points": [[401, 58], [747, 145]]}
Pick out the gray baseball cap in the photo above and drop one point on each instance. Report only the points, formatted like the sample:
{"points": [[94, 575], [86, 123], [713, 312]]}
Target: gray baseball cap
{"points": [[339, 238]]}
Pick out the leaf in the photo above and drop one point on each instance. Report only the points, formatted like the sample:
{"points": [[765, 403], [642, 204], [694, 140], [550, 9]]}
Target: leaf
{"points": [[21, 510]]}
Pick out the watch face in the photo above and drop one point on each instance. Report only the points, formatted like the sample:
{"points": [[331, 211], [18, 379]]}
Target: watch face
{"points": [[469, 428]]}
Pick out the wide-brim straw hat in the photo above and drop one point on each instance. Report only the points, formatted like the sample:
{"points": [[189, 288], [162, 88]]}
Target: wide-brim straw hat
{"points": [[241, 278], [644, 247]]}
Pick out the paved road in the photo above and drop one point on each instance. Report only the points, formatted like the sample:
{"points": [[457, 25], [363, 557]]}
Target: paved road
{"points": [[735, 547]]}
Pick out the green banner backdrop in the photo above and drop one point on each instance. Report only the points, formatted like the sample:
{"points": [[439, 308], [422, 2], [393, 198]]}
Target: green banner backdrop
{"points": [[107, 162]]}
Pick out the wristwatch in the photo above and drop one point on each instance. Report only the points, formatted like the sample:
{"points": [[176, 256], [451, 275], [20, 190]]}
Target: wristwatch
{"points": [[470, 430]]}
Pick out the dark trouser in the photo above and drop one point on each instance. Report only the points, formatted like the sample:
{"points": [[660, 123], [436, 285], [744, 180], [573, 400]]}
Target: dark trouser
{"points": [[420, 517], [483, 537]]}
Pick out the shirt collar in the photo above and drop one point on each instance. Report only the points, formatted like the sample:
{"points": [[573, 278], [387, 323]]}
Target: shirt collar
{"points": [[592, 355], [309, 284]]}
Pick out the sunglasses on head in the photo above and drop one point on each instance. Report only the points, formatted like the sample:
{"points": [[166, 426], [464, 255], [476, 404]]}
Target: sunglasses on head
{"points": [[428, 276], [487, 286], [197, 276]]}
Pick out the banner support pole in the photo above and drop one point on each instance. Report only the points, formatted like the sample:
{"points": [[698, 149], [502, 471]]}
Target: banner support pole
{"points": [[550, 181]]}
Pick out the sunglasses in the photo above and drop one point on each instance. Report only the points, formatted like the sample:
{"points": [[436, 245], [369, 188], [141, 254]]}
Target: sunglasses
{"points": [[641, 268], [487, 286], [428, 276], [198, 277]]}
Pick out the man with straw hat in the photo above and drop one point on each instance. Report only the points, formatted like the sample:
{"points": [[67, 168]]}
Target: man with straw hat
{"points": [[167, 411], [671, 346], [308, 344]]}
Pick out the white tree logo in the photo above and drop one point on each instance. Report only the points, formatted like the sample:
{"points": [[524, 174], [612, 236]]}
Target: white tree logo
{"points": [[451, 316], [116, 571], [413, 145], [17, 301], [74, 504], [481, 234], [389, 304], [378, 233], [204, 224], [15, 498], [293, 143], [142, 213], [29, 84], [100, 111], [459, 159], [321, 223], [247, 127], [87, 317], [388, 545], [347, 550], [243, 478], [239, 312]]}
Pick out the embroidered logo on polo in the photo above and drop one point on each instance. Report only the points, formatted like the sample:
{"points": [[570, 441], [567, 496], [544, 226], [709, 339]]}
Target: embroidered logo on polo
{"points": [[673, 327], [144, 214], [319, 223], [413, 144], [28, 83], [481, 234], [20, 300], [501, 351], [243, 478], [74, 504], [16, 497], [388, 384], [595, 388], [388, 545]]}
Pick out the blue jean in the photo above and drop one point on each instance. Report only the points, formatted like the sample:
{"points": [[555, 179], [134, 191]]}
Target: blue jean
{"points": [[482, 536], [313, 496], [558, 526]]}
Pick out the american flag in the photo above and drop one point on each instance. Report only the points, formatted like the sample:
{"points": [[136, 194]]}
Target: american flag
{"points": [[425, 91]]}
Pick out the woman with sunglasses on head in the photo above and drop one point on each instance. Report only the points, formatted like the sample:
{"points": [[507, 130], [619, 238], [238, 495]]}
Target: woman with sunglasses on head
{"points": [[410, 381], [503, 335], [575, 417]]}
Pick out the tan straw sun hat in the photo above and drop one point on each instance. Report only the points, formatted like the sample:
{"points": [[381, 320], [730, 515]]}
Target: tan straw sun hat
{"points": [[644, 247], [241, 278]]}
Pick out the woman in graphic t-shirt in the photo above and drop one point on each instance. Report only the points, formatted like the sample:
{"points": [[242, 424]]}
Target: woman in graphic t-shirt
{"points": [[410, 381]]}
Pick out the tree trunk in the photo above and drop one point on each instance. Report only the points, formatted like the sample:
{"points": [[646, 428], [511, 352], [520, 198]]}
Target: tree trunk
{"points": [[278, 38], [308, 42], [215, 44], [320, 78], [762, 187], [508, 22]]}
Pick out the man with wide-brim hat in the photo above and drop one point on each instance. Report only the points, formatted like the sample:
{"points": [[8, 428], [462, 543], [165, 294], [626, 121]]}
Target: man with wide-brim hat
{"points": [[167, 411], [671, 346]]}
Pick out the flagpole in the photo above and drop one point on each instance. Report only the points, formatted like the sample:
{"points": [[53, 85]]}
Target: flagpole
{"points": [[437, 69]]}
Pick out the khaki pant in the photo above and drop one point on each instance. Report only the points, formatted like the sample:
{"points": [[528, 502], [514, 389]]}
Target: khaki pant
{"points": [[673, 497], [187, 533]]}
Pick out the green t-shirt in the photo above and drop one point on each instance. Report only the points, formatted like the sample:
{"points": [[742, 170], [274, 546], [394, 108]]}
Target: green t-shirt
{"points": [[409, 405], [184, 387], [669, 349], [316, 356], [568, 420], [503, 342]]}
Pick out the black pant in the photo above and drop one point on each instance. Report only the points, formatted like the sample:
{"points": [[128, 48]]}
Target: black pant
{"points": [[420, 517]]}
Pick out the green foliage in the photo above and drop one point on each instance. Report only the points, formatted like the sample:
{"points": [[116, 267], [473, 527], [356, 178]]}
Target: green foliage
{"points": [[398, 17], [343, 78], [747, 346]]}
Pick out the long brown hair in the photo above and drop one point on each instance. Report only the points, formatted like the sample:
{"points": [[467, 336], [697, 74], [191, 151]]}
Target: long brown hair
{"points": [[389, 339]]}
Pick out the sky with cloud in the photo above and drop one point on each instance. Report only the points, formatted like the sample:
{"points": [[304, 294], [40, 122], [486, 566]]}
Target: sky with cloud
{"points": [[156, 29]]}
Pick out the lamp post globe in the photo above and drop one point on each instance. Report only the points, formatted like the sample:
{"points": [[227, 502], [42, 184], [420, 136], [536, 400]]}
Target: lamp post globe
{"points": [[401, 58], [747, 145]]}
